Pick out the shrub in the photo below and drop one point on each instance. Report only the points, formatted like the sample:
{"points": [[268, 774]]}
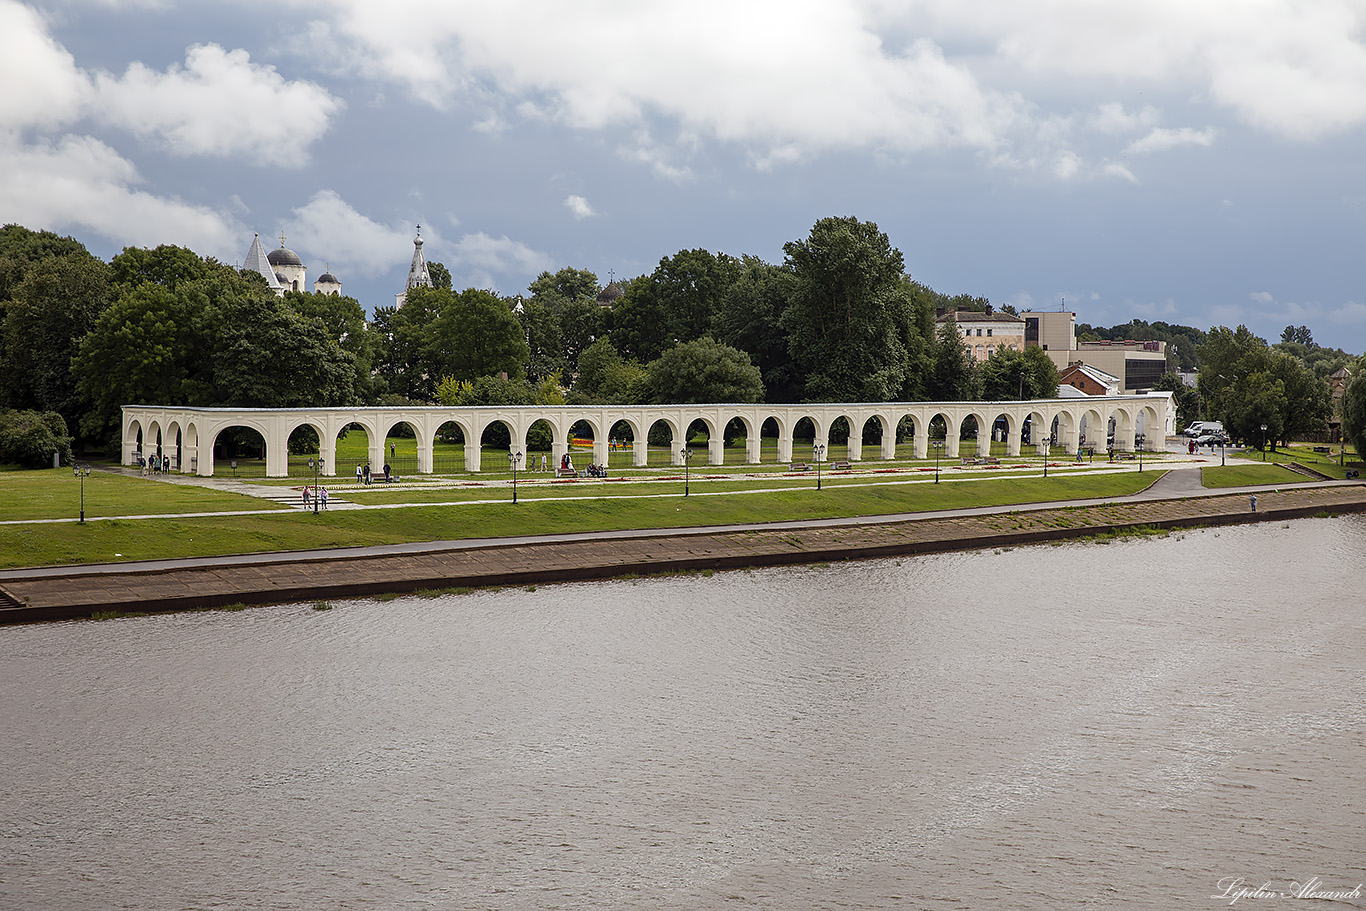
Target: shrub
{"points": [[29, 438]]}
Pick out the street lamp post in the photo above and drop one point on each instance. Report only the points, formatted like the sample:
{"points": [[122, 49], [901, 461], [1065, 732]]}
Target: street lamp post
{"points": [[687, 455], [1222, 447], [314, 464], [516, 460], [938, 445], [81, 471], [1263, 442], [818, 452], [1139, 447]]}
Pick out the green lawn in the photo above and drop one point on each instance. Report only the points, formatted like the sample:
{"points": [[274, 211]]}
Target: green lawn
{"points": [[143, 539], [56, 494], [1249, 475]]}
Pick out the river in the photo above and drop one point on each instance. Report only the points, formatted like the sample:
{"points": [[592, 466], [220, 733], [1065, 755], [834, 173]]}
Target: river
{"points": [[1141, 724]]}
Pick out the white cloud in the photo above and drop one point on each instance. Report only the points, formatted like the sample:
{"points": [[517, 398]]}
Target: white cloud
{"points": [[219, 104], [327, 226], [43, 88], [481, 257], [79, 183], [1115, 169], [1113, 118], [579, 206], [818, 76], [1261, 297], [884, 76], [1162, 140]]}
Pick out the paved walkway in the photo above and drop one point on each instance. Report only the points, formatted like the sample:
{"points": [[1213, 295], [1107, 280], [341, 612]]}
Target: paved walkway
{"points": [[64, 592]]}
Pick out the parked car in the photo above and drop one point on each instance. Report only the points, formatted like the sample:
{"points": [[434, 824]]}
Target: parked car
{"points": [[1212, 439]]}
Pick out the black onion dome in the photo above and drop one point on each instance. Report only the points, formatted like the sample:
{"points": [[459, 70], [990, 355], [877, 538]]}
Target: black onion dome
{"points": [[284, 256]]}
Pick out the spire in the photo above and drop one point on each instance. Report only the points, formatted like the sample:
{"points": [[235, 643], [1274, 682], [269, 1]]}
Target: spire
{"points": [[258, 263], [418, 276]]}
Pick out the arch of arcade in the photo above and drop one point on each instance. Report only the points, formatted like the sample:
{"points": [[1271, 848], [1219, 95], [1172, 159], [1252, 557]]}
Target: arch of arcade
{"points": [[188, 434]]}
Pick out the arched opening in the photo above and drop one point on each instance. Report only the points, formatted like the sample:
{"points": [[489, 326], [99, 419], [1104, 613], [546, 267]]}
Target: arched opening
{"points": [[907, 427], [351, 452], [400, 450], [448, 452], [769, 431], [661, 437], [303, 445], [838, 448], [493, 447], [621, 439], [540, 444], [1003, 437], [969, 430], [239, 452], [175, 449], [741, 441], [803, 439]]}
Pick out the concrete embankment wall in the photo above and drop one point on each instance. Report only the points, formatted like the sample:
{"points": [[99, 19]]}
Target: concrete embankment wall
{"points": [[283, 578]]}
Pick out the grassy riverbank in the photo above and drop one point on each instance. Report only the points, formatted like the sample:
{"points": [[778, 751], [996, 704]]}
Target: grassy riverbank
{"points": [[157, 538]]}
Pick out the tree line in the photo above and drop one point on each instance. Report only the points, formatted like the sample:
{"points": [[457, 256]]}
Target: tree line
{"points": [[839, 319]]}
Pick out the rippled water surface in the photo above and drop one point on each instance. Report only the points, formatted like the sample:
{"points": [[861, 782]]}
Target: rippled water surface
{"points": [[1118, 725]]}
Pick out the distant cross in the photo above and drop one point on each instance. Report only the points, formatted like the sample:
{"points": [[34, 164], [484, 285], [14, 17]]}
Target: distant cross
{"points": [[611, 276], [282, 238]]}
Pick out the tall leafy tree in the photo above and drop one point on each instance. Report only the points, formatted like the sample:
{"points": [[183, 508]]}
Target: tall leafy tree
{"points": [[1010, 373], [1354, 410], [849, 318], [640, 326], [606, 377], [474, 334], [703, 371], [955, 376], [691, 286], [51, 309], [750, 318], [545, 345]]}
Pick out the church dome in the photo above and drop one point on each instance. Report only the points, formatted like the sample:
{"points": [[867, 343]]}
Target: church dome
{"points": [[327, 277], [609, 294], [281, 279], [284, 257]]}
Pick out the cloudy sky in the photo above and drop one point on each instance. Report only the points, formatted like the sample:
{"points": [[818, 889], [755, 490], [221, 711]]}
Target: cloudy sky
{"points": [[1199, 162]]}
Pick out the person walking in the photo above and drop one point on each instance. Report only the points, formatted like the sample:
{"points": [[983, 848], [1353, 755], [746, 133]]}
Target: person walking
{"points": [[358, 474], [305, 496], [323, 494], [1254, 502]]}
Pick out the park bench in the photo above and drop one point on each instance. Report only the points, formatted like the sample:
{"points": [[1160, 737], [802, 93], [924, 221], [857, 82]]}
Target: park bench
{"points": [[800, 466], [839, 466], [1327, 450], [566, 473]]}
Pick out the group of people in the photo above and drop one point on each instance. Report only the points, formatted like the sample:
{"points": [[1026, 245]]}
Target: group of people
{"points": [[154, 463], [365, 476], [320, 493]]}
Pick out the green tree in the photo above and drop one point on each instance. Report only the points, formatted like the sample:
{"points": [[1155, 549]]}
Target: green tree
{"points": [[703, 371], [1009, 374], [955, 375], [691, 286], [541, 328], [1354, 410], [152, 346], [640, 327], [750, 318], [582, 322], [849, 319], [265, 355], [565, 285], [166, 265], [607, 378], [53, 306], [30, 439], [474, 334], [440, 275]]}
